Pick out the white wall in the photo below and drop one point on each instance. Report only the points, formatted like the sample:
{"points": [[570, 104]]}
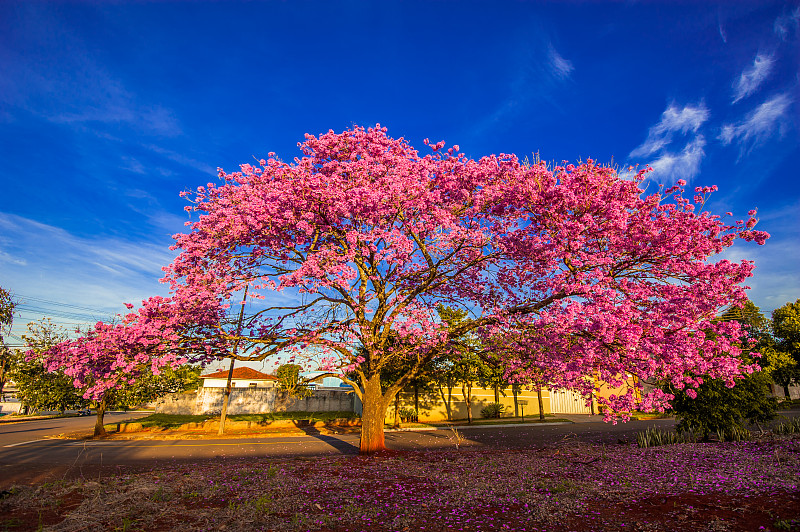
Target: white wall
{"points": [[239, 383]]}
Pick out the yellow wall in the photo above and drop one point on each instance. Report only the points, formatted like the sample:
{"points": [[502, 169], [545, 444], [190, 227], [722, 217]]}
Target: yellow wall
{"points": [[432, 405]]}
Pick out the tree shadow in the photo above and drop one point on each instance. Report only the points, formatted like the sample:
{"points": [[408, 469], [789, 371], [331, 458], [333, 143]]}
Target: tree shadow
{"points": [[341, 446]]}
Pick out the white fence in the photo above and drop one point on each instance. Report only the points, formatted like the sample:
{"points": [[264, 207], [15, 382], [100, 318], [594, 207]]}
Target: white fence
{"points": [[568, 402]]}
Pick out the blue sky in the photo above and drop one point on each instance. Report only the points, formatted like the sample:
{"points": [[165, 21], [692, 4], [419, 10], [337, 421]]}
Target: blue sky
{"points": [[109, 109]]}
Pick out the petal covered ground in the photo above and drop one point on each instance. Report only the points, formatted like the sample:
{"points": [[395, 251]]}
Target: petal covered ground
{"points": [[573, 485]]}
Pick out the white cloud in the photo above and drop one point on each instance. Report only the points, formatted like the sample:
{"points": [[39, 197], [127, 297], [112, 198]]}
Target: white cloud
{"points": [[682, 165], [784, 24], [752, 77], [42, 261], [539, 70], [760, 124], [673, 120], [183, 160], [559, 67]]}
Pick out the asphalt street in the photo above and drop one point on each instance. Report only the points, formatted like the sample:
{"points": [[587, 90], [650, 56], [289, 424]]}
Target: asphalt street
{"points": [[27, 455]]}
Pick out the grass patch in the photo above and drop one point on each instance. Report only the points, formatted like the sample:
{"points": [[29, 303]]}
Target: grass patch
{"points": [[173, 421], [501, 421], [167, 421], [281, 416]]}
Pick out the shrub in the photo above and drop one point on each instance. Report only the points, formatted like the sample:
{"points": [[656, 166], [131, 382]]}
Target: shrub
{"points": [[790, 426], [407, 415], [492, 410], [653, 437], [724, 411]]}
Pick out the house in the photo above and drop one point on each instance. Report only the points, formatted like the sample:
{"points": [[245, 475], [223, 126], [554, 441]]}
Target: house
{"points": [[323, 380], [242, 378]]}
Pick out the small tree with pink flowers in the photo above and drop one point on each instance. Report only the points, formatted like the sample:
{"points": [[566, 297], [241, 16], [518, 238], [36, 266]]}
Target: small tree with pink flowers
{"points": [[126, 358]]}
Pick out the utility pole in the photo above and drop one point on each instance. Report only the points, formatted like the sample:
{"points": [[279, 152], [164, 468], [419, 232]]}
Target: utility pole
{"points": [[227, 395]]}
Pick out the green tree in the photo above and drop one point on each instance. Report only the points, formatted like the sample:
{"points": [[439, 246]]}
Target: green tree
{"points": [[290, 380], [467, 362], [786, 330], [721, 409], [39, 389], [150, 386], [7, 305]]}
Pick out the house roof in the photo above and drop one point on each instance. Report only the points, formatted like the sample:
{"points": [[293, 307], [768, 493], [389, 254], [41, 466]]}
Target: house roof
{"points": [[241, 373]]}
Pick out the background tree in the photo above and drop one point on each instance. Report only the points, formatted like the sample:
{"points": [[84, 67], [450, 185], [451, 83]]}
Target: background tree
{"points": [[786, 329], [7, 305], [717, 406], [290, 380], [39, 389]]}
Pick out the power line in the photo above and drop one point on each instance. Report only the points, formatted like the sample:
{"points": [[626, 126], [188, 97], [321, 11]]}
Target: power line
{"points": [[58, 303]]}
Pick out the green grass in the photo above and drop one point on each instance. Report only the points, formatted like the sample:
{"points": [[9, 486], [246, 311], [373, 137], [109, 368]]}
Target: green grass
{"points": [[479, 422], [167, 421], [173, 421], [278, 416]]}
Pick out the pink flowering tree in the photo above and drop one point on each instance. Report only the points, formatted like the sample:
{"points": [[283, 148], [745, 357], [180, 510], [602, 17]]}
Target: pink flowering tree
{"points": [[125, 359], [351, 248]]}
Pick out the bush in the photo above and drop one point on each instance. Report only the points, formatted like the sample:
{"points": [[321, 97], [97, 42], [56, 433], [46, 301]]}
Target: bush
{"points": [[408, 415], [492, 410], [724, 411]]}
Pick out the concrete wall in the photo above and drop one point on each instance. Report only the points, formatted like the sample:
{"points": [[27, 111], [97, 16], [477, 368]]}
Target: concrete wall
{"points": [[254, 401], [10, 408]]}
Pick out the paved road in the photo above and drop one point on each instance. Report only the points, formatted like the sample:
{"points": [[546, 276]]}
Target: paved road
{"points": [[16, 433], [26, 457]]}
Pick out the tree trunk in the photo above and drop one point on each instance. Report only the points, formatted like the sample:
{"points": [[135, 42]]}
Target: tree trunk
{"points": [[786, 393], [225, 398], [397, 410], [466, 391], [373, 416], [515, 391], [99, 430], [416, 401], [496, 393], [446, 399], [541, 402]]}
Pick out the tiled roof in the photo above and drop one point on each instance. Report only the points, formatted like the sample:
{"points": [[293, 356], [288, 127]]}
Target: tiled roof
{"points": [[241, 373]]}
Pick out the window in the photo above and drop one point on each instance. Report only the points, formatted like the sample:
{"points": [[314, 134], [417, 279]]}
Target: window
{"points": [[253, 384]]}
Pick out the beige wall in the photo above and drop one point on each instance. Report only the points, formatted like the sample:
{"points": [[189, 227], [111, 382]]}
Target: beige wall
{"points": [[433, 405]]}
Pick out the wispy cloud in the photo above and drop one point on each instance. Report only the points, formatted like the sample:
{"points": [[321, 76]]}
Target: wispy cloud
{"points": [[752, 77], [682, 165], [559, 67], [787, 22], [673, 120], [70, 83], [539, 70], [760, 124], [43, 261], [183, 160]]}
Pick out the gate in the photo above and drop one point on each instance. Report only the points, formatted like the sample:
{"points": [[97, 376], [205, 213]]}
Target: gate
{"points": [[568, 402]]}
